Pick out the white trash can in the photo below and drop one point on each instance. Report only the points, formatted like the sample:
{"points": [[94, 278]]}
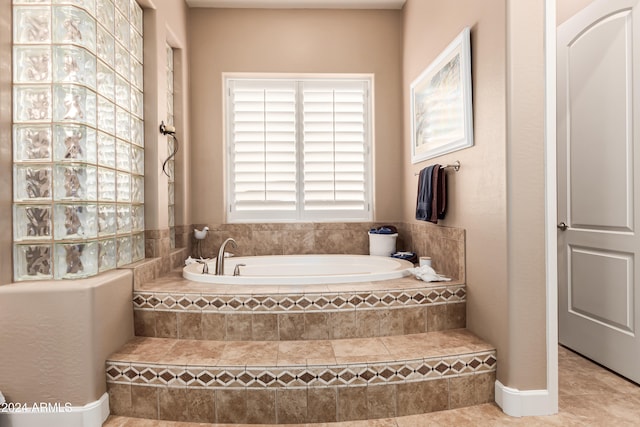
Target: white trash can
{"points": [[382, 244]]}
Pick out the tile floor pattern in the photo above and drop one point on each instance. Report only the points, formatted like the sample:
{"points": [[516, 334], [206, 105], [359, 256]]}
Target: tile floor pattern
{"points": [[589, 396]]}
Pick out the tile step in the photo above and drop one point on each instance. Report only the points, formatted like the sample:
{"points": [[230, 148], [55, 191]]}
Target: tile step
{"points": [[299, 382], [171, 307]]}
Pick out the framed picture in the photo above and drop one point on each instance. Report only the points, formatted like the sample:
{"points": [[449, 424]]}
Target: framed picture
{"points": [[441, 107]]}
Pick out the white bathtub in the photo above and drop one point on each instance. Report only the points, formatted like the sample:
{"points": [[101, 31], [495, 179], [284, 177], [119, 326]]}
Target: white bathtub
{"points": [[301, 270]]}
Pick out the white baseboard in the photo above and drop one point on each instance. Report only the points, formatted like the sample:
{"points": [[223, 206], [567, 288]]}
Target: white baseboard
{"points": [[93, 414], [518, 403]]}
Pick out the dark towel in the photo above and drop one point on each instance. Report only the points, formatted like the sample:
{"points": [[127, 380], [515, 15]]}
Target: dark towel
{"points": [[439, 199], [432, 194], [425, 193]]}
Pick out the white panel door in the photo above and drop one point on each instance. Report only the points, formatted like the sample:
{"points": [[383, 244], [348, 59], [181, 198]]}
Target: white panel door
{"points": [[598, 187]]}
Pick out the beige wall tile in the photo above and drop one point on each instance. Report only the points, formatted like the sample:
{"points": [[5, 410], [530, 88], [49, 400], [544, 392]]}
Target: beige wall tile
{"points": [[421, 397], [166, 324], [238, 327], [321, 405], [264, 327], [291, 406], [120, 399], [368, 323], [214, 326], [298, 242], [261, 406], [144, 402], [316, 326], [352, 403], [173, 404], [381, 401], [457, 315], [484, 388], [342, 324], [201, 405], [190, 325], [461, 391], [291, 326], [390, 322], [267, 242], [231, 406], [144, 323], [437, 317], [414, 320]]}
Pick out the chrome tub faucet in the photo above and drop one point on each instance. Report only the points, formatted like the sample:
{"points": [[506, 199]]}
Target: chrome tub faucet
{"points": [[220, 259]]}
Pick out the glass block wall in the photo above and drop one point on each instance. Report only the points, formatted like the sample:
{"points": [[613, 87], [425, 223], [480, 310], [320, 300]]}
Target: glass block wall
{"points": [[78, 137], [171, 165]]}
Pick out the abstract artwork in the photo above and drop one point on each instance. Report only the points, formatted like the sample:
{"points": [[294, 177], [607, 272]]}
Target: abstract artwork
{"points": [[441, 107]]}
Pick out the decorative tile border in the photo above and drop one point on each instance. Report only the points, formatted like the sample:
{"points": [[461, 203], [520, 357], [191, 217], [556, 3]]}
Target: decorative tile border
{"points": [[299, 302], [346, 375]]}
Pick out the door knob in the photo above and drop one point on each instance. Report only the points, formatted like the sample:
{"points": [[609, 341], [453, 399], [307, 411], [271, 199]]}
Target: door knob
{"points": [[562, 226]]}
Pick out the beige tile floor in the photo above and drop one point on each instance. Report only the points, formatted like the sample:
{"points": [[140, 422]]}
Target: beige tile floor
{"points": [[589, 396]]}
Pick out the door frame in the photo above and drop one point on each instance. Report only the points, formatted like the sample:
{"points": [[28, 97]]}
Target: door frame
{"points": [[551, 171]]}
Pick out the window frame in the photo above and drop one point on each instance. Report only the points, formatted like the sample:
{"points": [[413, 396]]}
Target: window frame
{"points": [[299, 215]]}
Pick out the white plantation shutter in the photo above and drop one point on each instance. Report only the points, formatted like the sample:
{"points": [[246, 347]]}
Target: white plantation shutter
{"points": [[298, 150], [263, 147], [334, 146]]}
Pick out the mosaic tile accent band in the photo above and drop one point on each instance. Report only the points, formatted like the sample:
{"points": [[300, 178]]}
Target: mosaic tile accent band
{"points": [[300, 376], [299, 302]]}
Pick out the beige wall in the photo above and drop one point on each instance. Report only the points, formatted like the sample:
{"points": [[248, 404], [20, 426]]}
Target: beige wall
{"points": [[56, 337], [292, 41], [165, 21], [497, 196], [526, 195], [565, 9]]}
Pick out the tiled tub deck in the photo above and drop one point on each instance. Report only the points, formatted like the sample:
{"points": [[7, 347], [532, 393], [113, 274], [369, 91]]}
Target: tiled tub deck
{"points": [[290, 354]]}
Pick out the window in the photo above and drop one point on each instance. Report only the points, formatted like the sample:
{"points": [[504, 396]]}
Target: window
{"points": [[298, 150]]}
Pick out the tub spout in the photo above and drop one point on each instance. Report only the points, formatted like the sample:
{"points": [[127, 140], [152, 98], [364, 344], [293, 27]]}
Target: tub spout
{"points": [[220, 259]]}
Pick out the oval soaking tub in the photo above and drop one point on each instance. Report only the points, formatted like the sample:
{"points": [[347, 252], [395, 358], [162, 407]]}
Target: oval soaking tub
{"points": [[301, 270]]}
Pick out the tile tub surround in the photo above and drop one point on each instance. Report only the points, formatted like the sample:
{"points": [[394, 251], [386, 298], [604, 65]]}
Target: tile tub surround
{"points": [[285, 382], [445, 245], [149, 269], [160, 257], [300, 354], [172, 307]]}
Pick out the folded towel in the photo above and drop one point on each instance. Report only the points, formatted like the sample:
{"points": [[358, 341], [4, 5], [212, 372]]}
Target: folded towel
{"points": [[427, 274], [425, 193]]}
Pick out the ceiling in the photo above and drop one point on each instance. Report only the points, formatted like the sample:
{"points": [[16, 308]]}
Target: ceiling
{"points": [[300, 4]]}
